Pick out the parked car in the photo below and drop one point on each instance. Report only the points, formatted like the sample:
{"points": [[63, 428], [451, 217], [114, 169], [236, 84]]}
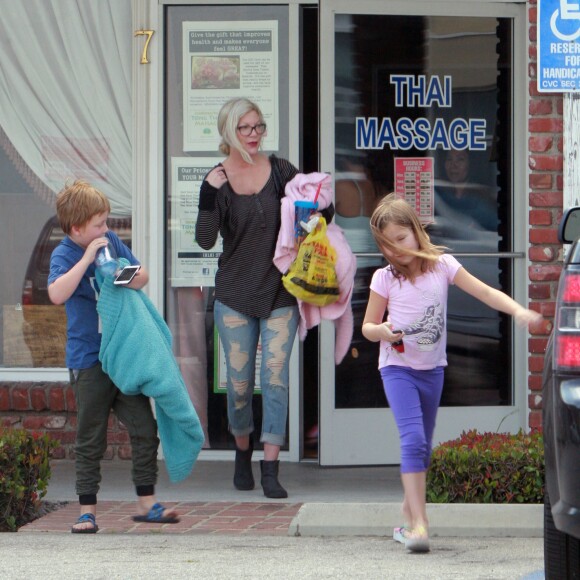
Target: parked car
{"points": [[561, 416]]}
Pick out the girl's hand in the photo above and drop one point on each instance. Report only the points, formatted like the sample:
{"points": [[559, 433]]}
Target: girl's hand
{"points": [[390, 335], [525, 317], [217, 177]]}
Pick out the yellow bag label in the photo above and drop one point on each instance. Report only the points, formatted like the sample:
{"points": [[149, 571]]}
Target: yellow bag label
{"points": [[312, 276]]}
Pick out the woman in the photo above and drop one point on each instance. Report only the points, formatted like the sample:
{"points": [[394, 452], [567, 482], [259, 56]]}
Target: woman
{"points": [[240, 198]]}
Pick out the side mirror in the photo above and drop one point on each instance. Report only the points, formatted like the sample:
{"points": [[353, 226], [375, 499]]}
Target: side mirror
{"points": [[569, 230]]}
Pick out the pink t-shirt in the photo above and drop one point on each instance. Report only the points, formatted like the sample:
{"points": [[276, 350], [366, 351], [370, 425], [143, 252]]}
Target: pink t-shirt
{"points": [[419, 309]]}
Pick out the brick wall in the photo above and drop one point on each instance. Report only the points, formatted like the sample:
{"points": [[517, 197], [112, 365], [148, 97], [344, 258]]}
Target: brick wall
{"points": [[545, 158], [50, 408]]}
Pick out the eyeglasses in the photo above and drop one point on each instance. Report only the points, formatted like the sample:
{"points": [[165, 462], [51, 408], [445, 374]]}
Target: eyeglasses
{"points": [[246, 130]]}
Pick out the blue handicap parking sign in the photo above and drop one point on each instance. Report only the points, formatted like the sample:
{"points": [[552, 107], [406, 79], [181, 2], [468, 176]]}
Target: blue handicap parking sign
{"points": [[558, 46]]}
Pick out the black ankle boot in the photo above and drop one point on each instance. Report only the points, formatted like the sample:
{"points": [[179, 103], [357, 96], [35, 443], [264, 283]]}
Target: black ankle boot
{"points": [[243, 476], [270, 483]]}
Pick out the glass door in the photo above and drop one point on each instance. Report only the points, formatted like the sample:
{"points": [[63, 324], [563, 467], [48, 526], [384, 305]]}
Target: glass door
{"points": [[419, 99], [216, 51]]}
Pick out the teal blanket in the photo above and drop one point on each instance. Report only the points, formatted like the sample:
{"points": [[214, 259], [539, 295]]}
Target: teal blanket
{"points": [[136, 353]]}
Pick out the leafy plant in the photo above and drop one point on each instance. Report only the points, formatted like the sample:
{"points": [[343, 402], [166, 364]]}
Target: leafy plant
{"points": [[488, 468], [24, 475]]}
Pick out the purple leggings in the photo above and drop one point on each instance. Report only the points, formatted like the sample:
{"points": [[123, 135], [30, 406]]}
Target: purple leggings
{"points": [[414, 399]]}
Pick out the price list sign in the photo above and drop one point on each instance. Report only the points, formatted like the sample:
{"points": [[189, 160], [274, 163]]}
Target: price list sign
{"points": [[415, 184]]}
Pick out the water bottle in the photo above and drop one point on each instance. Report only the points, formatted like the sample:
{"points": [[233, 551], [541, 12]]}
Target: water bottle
{"points": [[106, 260]]}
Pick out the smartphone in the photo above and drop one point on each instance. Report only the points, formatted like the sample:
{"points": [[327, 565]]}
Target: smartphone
{"points": [[125, 276], [398, 345]]}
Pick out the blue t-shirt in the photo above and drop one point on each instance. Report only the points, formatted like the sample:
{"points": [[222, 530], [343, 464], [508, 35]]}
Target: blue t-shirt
{"points": [[83, 332]]}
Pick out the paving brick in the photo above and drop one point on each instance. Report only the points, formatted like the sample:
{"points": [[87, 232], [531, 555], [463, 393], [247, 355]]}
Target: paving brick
{"points": [[197, 518]]}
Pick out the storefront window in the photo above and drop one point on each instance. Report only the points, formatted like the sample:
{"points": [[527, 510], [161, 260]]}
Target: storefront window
{"points": [[438, 95], [65, 114], [33, 330]]}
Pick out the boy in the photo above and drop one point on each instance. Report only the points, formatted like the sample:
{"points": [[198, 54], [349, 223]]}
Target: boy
{"points": [[82, 211]]}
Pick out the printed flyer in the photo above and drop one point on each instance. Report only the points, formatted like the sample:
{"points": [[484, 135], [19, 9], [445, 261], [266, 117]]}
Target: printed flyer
{"points": [[190, 264], [414, 182], [223, 60]]}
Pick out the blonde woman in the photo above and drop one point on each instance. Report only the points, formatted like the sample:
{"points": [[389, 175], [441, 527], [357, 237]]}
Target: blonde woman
{"points": [[240, 199]]}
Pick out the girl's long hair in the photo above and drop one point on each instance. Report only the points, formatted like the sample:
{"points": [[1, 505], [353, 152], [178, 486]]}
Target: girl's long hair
{"points": [[395, 210]]}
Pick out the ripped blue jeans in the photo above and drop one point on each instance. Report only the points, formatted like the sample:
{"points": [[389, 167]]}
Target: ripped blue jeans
{"points": [[239, 335]]}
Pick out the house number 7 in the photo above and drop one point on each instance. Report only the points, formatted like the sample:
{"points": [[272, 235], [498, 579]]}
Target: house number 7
{"points": [[148, 34]]}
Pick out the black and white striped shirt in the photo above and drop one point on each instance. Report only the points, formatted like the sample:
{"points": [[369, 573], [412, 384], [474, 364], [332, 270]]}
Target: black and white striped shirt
{"points": [[247, 280]]}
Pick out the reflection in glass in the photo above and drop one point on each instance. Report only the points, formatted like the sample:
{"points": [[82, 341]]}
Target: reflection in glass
{"points": [[32, 329], [189, 307], [472, 189]]}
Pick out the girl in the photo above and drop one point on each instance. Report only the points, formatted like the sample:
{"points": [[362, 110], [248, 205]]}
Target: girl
{"points": [[413, 290]]}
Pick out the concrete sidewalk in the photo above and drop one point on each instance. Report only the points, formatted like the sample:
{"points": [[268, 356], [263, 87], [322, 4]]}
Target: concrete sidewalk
{"points": [[352, 501]]}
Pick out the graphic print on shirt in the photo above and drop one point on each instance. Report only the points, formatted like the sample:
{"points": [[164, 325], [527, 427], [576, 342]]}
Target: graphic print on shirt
{"points": [[429, 327]]}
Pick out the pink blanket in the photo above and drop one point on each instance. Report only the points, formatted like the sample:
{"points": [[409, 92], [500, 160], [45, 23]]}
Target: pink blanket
{"points": [[304, 187]]}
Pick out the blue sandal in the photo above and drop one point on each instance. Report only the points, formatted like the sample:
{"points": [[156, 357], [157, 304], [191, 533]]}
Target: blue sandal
{"points": [[86, 519], [155, 516]]}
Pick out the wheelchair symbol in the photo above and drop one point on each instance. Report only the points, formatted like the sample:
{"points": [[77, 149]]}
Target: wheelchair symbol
{"points": [[568, 11]]}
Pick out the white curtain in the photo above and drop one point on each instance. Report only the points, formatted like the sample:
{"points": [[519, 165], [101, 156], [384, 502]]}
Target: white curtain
{"points": [[65, 91]]}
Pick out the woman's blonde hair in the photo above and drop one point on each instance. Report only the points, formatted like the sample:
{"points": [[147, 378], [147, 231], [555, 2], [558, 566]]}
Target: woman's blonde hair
{"points": [[77, 203], [228, 118], [397, 211]]}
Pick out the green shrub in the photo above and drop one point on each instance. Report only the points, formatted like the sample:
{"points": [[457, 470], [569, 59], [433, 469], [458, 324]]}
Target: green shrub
{"points": [[488, 468], [24, 475]]}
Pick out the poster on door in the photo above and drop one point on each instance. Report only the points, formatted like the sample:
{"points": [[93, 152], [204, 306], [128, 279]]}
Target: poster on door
{"points": [[191, 265], [221, 61], [414, 182]]}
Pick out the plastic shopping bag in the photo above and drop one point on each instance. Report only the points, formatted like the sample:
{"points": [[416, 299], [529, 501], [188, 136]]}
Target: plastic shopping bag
{"points": [[312, 276]]}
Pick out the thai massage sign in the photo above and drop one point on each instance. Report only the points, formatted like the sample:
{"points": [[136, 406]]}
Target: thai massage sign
{"points": [[421, 134]]}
